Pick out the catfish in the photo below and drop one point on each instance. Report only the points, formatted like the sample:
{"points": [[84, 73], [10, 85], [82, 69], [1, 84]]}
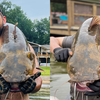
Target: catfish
{"points": [[83, 66], [17, 62]]}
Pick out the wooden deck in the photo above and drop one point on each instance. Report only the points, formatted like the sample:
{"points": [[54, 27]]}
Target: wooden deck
{"points": [[45, 55], [63, 30]]}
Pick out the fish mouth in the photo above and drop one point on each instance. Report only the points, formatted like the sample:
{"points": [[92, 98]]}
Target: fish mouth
{"points": [[14, 87], [14, 90], [15, 83], [81, 86]]}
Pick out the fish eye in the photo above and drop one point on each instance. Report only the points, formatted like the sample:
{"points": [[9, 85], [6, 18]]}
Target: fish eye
{"points": [[72, 69], [30, 55]]}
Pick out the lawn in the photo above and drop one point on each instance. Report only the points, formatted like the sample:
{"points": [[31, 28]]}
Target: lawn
{"points": [[46, 70]]}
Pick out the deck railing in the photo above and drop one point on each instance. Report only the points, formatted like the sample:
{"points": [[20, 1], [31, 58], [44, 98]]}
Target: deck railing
{"points": [[43, 54]]}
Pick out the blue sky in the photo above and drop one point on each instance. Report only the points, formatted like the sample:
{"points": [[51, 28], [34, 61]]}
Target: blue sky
{"points": [[35, 9]]}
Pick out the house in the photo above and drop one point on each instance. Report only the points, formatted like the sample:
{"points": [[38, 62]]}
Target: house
{"points": [[44, 55], [35, 46], [42, 52]]}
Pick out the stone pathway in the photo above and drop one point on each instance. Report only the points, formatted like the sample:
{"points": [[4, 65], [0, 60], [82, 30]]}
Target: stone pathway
{"points": [[45, 79]]}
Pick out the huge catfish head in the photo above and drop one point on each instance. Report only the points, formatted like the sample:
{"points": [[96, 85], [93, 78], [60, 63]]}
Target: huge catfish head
{"points": [[17, 67], [17, 62], [84, 65]]}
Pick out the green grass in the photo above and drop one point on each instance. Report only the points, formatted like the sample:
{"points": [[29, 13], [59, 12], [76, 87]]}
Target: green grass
{"points": [[46, 70]]}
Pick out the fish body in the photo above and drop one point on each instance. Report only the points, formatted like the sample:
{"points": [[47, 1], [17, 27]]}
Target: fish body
{"points": [[84, 65]]}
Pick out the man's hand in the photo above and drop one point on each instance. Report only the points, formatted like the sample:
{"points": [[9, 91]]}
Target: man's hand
{"points": [[62, 54], [4, 86], [29, 85], [95, 86]]}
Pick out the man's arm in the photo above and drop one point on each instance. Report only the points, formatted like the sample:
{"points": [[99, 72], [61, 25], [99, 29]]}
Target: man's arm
{"points": [[56, 46], [55, 43], [37, 80]]}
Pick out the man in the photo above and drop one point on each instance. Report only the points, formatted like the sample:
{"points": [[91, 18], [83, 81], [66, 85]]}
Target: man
{"points": [[19, 95], [60, 47]]}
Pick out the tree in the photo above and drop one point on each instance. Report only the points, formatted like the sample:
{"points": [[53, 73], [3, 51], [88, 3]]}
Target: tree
{"points": [[42, 28], [58, 7]]}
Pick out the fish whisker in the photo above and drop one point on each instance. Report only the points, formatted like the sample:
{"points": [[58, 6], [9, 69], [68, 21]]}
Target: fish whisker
{"points": [[82, 95], [77, 95], [11, 96], [21, 96], [75, 91], [86, 97], [7, 94]]}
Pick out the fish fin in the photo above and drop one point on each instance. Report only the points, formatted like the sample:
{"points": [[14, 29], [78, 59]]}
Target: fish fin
{"points": [[93, 25], [5, 34], [95, 21], [94, 28], [39, 69], [14, 32]]}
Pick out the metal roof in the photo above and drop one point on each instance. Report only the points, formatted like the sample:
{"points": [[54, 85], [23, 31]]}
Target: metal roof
{"points": [[34, 44], [46, 47]]}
